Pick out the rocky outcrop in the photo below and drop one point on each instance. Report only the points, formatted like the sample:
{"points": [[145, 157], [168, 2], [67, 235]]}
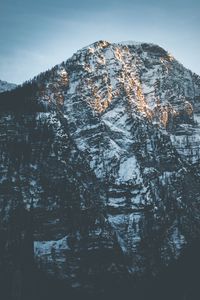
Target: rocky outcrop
{"points": [[104, 166]]}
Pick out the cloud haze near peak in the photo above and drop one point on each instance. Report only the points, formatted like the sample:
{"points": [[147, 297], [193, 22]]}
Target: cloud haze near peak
{"points": [[36, 35]]}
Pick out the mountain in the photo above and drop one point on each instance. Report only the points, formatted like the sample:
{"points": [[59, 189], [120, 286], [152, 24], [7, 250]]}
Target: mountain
{"points": [[100, 166], [5, 86]]}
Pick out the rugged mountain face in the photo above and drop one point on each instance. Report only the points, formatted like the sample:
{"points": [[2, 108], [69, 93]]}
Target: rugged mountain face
{"points": [[100, 165], [5, 86]]}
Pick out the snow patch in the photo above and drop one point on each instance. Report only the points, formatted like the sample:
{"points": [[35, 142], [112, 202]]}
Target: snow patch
{"points": [[46, 247], [129, 169]]}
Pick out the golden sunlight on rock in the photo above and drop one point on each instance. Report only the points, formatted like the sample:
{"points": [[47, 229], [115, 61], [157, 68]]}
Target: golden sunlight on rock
{"points": [[164, 116], [118, 54], [170, 57]]}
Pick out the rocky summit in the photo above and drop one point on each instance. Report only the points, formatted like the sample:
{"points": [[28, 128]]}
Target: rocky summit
{"points": [[99, 172]]}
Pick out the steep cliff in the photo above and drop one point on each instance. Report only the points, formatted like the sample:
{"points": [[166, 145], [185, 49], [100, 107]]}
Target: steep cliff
{"points": [[100, 165]]}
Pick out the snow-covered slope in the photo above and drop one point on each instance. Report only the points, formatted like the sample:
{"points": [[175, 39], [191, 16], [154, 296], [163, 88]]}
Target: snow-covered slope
{"points": [[108, 161], [5, 86]]}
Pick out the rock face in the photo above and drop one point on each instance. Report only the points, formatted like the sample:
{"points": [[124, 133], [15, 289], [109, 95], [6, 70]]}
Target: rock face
{"points": [[100, 165]]}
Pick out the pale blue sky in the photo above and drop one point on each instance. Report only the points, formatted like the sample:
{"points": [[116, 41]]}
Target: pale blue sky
{"points": [[37, 34]]}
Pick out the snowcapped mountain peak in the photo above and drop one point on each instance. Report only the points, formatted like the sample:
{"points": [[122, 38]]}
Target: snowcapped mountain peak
{"points": [[105, 87], [109, 155], [144, 73]]}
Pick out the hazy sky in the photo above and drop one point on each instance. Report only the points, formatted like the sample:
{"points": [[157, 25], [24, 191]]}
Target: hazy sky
{"points": [[37, 34]]}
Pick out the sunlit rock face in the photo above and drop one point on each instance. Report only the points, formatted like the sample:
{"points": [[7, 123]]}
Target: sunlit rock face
{"points": [[106, 166]]}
